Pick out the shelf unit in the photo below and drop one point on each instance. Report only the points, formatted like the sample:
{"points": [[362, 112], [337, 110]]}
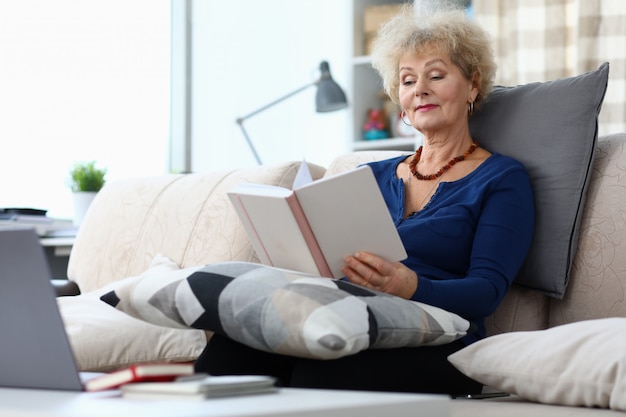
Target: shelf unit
{"points": [[366, 87]]}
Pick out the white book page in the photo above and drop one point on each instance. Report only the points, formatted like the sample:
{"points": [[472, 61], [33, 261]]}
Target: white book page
{"points": [[274, 232], [347, 213], [303, 176]]}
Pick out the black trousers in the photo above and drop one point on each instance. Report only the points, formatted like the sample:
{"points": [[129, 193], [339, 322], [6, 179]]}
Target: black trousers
{"points": [[421, 369]]}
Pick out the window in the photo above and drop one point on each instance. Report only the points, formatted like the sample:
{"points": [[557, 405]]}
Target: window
{"points": [[81, 81]]}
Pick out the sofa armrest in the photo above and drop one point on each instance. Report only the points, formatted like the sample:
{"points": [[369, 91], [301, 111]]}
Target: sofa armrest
{"points": [[64, 287], [132, 220]]}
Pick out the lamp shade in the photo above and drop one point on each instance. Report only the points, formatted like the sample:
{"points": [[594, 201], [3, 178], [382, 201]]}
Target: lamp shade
{"points": [[330, 96]]}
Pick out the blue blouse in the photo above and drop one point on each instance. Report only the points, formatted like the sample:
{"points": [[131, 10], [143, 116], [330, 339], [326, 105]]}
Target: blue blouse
{"points": [[469, 241]]}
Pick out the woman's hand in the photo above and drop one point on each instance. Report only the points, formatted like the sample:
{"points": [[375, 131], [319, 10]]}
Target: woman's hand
{"points": [[374, 272]]}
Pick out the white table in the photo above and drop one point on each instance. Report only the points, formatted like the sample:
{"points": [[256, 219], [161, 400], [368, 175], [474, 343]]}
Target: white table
{"points": [[286, 402], [62, 246]]}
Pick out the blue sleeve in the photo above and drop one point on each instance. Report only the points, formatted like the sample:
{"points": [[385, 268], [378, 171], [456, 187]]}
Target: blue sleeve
{"points": [[501, 241]]}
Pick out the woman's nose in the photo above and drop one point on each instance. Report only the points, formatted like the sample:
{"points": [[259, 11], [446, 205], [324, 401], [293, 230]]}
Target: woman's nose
{"points": [[420, 88]]}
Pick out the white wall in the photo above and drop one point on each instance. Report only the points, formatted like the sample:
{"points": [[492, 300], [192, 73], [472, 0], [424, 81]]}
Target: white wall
{"points": [[247, 53], [90, 81]]}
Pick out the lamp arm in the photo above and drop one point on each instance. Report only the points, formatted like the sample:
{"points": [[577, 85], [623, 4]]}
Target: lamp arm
{"points": [[240, 120], [275, 102]]}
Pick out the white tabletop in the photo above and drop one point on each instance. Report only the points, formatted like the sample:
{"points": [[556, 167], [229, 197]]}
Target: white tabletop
{"points": [[286, 402]]}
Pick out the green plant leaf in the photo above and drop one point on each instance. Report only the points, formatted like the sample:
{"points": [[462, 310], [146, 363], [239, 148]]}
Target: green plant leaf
{"points": [[85, 176]]}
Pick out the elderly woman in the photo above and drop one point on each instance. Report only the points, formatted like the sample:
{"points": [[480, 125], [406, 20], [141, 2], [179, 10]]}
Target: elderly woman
{"points": [[465, 215]]}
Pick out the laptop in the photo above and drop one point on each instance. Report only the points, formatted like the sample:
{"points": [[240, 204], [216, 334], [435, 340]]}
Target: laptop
{"points": [[34, 349]]}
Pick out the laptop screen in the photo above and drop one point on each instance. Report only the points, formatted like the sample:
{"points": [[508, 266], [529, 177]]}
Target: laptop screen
{"points": [[34, 348]]}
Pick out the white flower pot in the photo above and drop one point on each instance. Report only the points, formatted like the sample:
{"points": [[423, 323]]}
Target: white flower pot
{"points": [[82, 201]]}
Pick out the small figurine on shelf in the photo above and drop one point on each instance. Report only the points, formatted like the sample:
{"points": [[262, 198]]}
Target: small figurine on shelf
{"points": [[391, 110], [376, 125]]}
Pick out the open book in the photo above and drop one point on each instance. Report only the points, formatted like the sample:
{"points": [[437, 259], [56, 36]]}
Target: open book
{"points": [[313, 227]]}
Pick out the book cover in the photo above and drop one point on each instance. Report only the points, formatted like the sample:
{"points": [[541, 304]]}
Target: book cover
{"points": [[201, 388], [313, 227], [139, 373]]}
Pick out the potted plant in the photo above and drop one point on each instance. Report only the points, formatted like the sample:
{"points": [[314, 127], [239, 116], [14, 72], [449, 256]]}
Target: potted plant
{"points": [[85, 181]]}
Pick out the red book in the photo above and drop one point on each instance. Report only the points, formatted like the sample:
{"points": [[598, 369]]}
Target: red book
{"points": [[149, 372]]}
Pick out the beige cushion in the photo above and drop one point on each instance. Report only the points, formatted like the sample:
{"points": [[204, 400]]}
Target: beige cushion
{"points": [[105, 339], [577, 364]]}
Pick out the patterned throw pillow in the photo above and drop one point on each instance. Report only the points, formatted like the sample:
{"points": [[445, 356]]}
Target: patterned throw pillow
{"points": [[285, 312]]}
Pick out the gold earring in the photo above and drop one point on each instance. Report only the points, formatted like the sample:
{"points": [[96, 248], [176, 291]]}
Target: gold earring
{"points": [[470, 109]]}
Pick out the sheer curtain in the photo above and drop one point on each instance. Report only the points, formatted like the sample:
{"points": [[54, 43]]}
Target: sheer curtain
{"points": [[80, 81], [540, 40]]}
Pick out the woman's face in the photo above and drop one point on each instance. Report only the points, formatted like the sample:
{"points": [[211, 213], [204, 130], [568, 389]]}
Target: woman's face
{"points": [[434, 93]]}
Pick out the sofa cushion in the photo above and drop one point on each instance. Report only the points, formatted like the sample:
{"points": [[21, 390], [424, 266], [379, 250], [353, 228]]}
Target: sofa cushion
{"points": [[104, 339], [285, 312], [597, 287], [550, 127], [576, 364]]}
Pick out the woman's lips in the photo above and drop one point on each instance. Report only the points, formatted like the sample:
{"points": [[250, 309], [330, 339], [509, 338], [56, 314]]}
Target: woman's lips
{"points": [[425, 107]]}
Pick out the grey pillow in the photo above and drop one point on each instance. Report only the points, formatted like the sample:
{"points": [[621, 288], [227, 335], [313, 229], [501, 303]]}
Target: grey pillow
{"points": [[552, 129]]}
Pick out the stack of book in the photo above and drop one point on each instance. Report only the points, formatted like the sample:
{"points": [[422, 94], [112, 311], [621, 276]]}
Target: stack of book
{"points": [[37, 219], [201, 387], [177, 381]]}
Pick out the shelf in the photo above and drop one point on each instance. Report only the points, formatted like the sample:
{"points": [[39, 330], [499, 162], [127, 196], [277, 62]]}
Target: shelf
{"points": [[402, 144], [365, 87]]}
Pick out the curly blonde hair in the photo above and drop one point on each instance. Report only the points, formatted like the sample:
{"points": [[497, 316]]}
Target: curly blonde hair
{"points": [[449, 30]]}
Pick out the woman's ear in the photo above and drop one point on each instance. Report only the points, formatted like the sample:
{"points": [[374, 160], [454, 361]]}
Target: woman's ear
{"points": [[475, 83]]}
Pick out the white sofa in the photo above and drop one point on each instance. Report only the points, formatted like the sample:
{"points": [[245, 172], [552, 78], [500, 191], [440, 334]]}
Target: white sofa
{"points": [[189, 219]]}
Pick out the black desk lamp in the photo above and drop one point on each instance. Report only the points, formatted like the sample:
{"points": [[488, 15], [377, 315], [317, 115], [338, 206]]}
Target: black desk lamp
{"points": [[329, 97]]}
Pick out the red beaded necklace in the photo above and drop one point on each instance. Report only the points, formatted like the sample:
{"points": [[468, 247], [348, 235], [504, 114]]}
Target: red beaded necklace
{"points": [[418, 154]]}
